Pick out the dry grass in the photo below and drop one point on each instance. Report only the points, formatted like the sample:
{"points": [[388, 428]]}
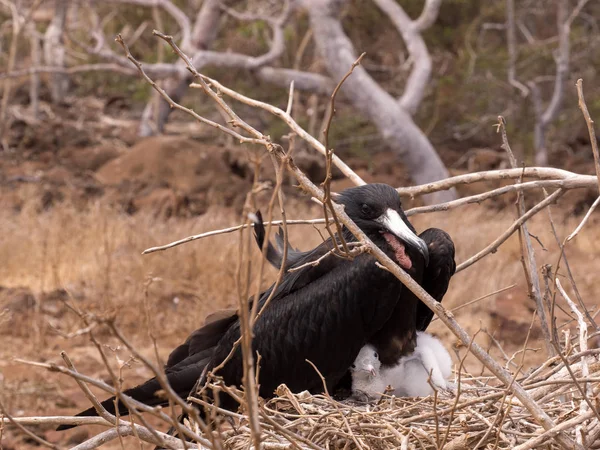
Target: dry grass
{"points": [[95, 255]]}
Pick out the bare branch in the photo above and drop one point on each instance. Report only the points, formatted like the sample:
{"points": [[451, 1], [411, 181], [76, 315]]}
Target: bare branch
{"points": [[536, 441], [180, 17], [393, 122], [227, 230], [574, 181], [68, 70], [304, 81], [590, 124], [541, 173], [327, 202], [512, 50], [54, 51], [19, 425], [428, 15], [478, 198], [411, 33], [18, 23], [303, 134], [583, 346], [545, 117], [562, 63], [585, 219], [514, 227], [527, 253]]}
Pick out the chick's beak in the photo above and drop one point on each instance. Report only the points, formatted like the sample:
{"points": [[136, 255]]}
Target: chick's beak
{"points": [[391, 220], [371, 369]]}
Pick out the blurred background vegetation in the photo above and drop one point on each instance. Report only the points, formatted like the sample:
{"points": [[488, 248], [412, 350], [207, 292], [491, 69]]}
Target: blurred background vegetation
{"points": [[468, 88]]}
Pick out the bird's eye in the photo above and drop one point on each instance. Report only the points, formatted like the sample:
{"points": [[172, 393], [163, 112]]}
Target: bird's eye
{"points": [[376, 355], [366, 209], [353, 366]]}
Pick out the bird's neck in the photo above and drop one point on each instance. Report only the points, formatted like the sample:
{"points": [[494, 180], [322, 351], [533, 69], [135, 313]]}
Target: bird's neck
{"points": [[369, 385]]}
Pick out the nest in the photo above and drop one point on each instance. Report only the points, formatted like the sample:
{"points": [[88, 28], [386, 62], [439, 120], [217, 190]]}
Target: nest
{"points": [[477, 413]]}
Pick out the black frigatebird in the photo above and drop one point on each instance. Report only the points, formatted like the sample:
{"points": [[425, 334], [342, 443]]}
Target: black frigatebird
{"points": [[323, 313]]}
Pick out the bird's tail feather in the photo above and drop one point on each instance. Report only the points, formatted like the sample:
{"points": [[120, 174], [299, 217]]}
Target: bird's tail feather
{"points": [[143, 393], [182, 381]]}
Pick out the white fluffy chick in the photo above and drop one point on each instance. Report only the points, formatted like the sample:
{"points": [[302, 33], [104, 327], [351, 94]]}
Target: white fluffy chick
{"points": [[366, 375], [410, 376]]}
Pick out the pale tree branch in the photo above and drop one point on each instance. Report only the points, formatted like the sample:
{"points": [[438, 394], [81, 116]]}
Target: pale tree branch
{"points": [[583, 346], [304, 81], [512, 48], [180, 17], [205, 29], [18, 23], [562, 63], [410, 31], [68, 70], [34, 82], [541, 173], [429, 14], [527, 253], [287, 118], [590, 125], [514, 227], [545, 117], [54, 51], [393, 122]]}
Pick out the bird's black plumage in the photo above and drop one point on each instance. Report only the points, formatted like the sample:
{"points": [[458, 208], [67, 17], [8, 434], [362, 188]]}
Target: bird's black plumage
{"points": [[433, 277], [436, 276], [323, 313]]}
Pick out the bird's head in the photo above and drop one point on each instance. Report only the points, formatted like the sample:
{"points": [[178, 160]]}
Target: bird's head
{"points": [[377, 210], [367, 363]]}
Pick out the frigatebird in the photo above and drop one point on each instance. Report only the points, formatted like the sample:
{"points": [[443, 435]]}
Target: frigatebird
{"points": [[434, 277], [324, 313]]}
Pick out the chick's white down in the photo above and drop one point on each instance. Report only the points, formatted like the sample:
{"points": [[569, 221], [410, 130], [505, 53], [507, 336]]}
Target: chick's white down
{"points": [[409, 377]]}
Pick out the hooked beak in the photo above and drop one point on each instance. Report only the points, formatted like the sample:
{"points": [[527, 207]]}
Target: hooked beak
{"points": [[371, 370], [391, 220]]}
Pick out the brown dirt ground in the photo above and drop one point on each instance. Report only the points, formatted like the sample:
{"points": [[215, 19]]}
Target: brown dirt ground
{"points": [[76, 218]]}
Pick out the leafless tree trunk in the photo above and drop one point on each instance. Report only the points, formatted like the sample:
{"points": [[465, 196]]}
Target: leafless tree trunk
{"points": [[54, 51], [204, 32], [393, 121], [34, 83], [544, 117]]}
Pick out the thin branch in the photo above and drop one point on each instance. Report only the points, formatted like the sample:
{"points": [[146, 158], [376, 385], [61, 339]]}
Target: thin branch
{"points": [[303, 134], [410, 31], [180, 16], [541, 173], [583, 339], [512, 48], [327, 202], [161, 91], [590, 124], [527, 253], [491, 248], [585, 219], [29, 433]]}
